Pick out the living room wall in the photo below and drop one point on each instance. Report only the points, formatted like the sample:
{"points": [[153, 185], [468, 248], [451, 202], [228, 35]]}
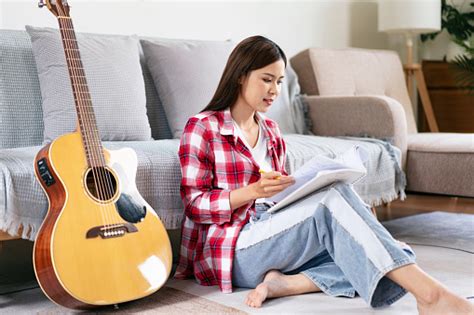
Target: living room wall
{"points": [[295, 25]]}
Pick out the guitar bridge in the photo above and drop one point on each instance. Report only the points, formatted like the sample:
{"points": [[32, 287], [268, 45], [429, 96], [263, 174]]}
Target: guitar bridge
{"points": [[111, 230]]}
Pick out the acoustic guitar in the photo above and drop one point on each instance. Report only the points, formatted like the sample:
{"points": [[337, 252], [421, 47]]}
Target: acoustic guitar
{"points": [[101, 243]]}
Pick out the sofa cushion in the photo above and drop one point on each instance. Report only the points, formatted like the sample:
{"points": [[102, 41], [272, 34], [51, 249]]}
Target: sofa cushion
{"points": [[24, 202], [441, 163], [115, 82], [154, 107], [289, 110], [21, 117], [159, 176], [186, 75], [441, 142], [384, 182]]}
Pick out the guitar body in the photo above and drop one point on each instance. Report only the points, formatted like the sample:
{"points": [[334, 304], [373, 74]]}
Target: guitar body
{"points": [[86, 254]]}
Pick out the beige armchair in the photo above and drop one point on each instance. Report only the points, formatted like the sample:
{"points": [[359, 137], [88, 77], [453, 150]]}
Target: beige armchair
{"points": [[363, 92]]}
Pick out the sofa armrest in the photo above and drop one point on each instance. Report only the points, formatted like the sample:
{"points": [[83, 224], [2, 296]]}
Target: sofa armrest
{"points": [[374, 116]]}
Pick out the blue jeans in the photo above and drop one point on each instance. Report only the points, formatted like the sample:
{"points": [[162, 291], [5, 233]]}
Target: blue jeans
{"points": [[332, 238]]}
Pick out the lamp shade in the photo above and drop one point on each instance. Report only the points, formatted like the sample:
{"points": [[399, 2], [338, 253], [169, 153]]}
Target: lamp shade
{"points": [[413, 16]]}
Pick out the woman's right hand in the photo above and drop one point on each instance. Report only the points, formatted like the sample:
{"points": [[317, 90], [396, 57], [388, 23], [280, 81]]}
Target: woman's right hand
{"points": [[269, 184]]}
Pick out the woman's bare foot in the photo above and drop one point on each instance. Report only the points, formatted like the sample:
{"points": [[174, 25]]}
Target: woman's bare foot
{"points": [[256, 297], [276, 284], [444, 302], [431, 296]]}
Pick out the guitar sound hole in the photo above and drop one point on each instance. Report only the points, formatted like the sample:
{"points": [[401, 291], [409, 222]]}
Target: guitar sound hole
{"points": [[101, 183]]}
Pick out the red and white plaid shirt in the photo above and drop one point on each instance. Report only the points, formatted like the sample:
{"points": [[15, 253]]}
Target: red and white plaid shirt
{"points": [[213, 163]]}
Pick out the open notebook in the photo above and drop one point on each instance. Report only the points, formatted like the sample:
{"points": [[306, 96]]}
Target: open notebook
{"points": [[320, 172]]}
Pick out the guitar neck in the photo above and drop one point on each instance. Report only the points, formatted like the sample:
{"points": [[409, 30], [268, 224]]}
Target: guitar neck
{"points": [[84, 109]]}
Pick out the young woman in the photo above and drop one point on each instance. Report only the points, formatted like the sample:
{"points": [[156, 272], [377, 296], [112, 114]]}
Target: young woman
{"points": [[232, 158]]}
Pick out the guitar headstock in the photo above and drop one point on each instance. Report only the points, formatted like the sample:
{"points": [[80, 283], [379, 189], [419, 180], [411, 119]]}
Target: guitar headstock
{"points": [[60, 8]]}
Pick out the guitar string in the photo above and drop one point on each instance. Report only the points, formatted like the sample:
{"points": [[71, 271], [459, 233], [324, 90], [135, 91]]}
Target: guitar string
{"points": [[88, 118], [103, 188], [74, 77], [71, 73], [82, 111], [97, 149]]}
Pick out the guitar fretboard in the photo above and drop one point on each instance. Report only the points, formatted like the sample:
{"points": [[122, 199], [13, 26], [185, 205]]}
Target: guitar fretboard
{"points": [[82, 98]]}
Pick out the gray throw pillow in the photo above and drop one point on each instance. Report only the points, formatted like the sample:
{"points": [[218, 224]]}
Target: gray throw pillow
{"points": [[114, 76], [186, 74], [21, 117], [289, 110]]}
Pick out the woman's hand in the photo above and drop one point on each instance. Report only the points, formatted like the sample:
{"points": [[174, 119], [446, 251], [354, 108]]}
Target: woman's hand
{"points": [[270, 184]]}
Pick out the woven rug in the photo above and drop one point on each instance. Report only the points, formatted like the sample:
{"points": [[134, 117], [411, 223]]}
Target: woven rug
{"points": [[165, 301], [438, 229]]}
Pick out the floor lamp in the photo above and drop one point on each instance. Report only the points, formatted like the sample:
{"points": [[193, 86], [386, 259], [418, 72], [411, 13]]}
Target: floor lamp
{"points": [[412, 17]]}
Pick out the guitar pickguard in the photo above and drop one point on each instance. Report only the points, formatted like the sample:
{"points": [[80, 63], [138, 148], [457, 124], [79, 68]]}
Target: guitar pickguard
{"points": [[130, 210]]}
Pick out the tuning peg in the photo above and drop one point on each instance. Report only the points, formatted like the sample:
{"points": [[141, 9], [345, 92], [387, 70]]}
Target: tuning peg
{"points": [[41, 4]]}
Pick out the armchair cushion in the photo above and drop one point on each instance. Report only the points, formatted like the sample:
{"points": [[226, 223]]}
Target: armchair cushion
{"points": [[441, 163]]}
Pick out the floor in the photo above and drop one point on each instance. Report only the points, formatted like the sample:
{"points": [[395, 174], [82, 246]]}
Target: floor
{"points": [[424, 203], [454, 268]]}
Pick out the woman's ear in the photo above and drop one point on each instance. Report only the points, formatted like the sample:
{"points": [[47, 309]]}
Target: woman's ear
{"points": [[242, 78]]}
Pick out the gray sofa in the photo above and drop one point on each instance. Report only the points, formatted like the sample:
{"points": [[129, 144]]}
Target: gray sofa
{"points": [[23, 203]]}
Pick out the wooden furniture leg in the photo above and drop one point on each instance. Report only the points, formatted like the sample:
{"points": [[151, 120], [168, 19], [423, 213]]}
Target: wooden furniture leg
{"points": [[388, 211], [425, 100], [415, 70]]}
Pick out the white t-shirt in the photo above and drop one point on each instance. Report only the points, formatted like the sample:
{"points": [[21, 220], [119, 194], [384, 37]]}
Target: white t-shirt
{"points": [[259, 152]]}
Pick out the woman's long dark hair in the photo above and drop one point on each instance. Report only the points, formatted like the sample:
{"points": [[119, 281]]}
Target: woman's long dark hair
{"points": [[250, 54]]}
